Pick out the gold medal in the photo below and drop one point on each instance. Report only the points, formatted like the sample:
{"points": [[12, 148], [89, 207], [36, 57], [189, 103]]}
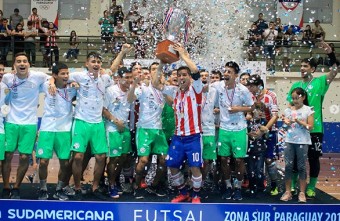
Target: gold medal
{"points": [[7, 91]]}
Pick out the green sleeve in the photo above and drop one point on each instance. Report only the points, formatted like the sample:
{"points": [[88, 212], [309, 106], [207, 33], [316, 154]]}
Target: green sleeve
{"points": [[324, 85]]}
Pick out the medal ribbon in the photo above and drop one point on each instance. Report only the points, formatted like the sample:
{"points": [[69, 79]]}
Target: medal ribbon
{"points": [[158, 96], [231, 99], [92, 79], [204, 100], [64, 96], [14, 85]]}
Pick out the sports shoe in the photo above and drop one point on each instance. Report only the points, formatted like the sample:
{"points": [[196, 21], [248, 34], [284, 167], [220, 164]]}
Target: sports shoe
{"points": [[78, 196], [274, 191], [15, 194], [158, 191], [60, 195], [245, 183], [294, 191], [69, 191], [143, 184], [310, 194], [237, 194], [113, 192], [302, 197], [196, 199], [119, 188], [127, 187], [85, 190], [181, 198], [43, 195], [98, 195], [6, 193], [30, 178], [228, 193], [139, 193], [286, 196]]}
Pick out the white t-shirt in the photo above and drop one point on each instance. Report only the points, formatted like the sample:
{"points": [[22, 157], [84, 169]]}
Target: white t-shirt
{"points": [[238, 96], [209, 102], [271, 37], [297, 133], [116, 102], [2, 102], [151, 106], [24, 97], [90, 97], [58, 110]]}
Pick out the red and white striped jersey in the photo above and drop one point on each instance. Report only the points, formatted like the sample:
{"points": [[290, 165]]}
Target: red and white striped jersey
{"points": [[188, 107], [34, 19], [52, 39], [270, 100]]}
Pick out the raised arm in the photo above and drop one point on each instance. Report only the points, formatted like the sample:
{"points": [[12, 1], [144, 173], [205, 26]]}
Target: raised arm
{"points": [[184, 55], [131, 94], [126, 48], [334, 64], [156, 77]]}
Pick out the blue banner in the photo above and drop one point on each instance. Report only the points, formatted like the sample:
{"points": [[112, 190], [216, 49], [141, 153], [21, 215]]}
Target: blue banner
{"points": [[57, 210]]}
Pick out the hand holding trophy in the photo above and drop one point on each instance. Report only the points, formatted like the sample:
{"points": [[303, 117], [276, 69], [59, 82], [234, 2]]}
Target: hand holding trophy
{"points": [[175, 26]]}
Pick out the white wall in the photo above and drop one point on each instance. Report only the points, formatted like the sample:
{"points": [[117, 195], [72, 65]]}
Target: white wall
{"points": [[333, 30]]}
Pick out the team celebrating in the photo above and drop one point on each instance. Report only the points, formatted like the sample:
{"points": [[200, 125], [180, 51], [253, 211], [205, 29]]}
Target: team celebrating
{"points": [[185, 119]]}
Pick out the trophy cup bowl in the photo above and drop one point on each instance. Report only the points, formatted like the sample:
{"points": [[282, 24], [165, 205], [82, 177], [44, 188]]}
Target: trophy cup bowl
{"points": [[174, 25]]}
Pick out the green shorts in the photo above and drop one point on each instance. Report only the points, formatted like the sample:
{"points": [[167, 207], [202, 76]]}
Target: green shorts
{"points": [[2, 146], [151, 141], [60, 142], [232, 143], [119, 143], [21, 137], [209, 148], [84, 134]]}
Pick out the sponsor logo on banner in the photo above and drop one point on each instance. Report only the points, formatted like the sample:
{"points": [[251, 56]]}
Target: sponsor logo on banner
{"points": [[56, 210], [290, 12]]}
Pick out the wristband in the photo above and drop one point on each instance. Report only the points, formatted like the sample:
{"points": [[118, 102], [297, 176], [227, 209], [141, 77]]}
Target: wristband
{"points": [[196, 76], [332, 59]]}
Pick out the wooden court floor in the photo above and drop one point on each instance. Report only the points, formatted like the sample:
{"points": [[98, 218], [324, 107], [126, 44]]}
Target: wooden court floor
{"points": [[329, 178]]}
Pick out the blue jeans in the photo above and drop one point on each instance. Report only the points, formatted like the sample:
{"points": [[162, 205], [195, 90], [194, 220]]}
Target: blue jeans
{"points": [[298, 151], [255, 166], [4, 50], [30, 51], [72, 53]]}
